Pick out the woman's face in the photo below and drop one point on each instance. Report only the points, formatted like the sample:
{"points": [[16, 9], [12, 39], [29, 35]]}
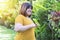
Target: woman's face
{"points": [[29, 11]]}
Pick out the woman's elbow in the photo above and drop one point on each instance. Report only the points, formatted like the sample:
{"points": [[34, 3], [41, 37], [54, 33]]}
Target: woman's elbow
{"points": [[16, 30]]}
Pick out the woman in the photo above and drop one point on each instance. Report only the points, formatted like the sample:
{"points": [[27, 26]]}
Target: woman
{"points": [[24, 26]]}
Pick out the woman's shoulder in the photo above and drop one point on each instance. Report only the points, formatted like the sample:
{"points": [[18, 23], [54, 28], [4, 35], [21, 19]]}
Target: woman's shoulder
{"points": [[19, 19], [20, 16]]}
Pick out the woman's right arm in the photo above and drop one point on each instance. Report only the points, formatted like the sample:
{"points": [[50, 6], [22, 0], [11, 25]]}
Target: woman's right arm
{"points": [[20, 27]]}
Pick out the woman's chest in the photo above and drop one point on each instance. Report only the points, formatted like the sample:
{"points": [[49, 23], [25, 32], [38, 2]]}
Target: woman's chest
{"points": [[27, 21]]}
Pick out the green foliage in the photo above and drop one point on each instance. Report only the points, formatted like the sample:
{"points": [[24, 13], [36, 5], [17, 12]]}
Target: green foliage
{"points": [[40, 13], [6, 34], [40, 16], [41, 9]]}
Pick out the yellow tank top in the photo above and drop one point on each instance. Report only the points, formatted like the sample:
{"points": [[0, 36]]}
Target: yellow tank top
{"points": [[28, 34]]}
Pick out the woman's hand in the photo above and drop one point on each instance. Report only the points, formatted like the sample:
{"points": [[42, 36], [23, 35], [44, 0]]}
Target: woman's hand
{"points": [[33, 25], [36, 24]]}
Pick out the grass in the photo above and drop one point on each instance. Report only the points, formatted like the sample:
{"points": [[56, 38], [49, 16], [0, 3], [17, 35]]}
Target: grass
{"points": [[6, 34]]}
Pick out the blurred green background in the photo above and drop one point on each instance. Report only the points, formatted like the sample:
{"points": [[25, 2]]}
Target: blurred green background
{"points": [[9, 9]]}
